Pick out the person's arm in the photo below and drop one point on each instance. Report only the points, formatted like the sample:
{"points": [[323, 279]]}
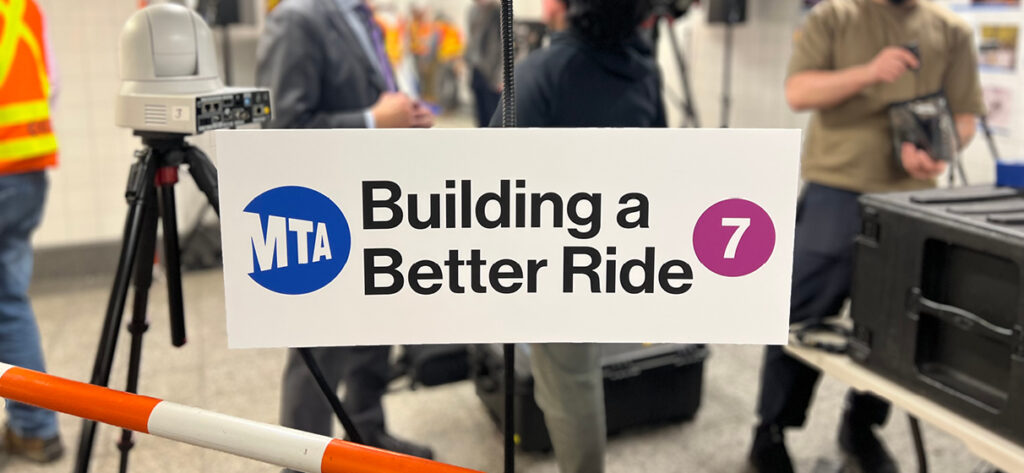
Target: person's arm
{"points": [[962, 84], [288, 62], [966, 127], [822, 89]]}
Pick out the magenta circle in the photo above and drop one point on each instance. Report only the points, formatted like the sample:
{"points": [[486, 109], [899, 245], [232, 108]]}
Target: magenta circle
{"points": [[718, 225]]}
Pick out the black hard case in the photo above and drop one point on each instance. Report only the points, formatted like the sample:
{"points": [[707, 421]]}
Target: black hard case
{"points": [[644, 385], [434, 365], [937, 303]]}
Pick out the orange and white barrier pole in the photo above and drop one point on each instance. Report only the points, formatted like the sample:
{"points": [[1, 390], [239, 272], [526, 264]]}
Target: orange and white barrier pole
{"points": [[267, 443]]}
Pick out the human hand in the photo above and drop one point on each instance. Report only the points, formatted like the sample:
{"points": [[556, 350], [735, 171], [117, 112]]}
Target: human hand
{"points": [[422, 117], [394, 110], [890, 64], [918, 164]]}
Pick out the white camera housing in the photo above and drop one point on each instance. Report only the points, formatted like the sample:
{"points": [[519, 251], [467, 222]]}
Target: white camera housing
{"points": [[170, 80]]}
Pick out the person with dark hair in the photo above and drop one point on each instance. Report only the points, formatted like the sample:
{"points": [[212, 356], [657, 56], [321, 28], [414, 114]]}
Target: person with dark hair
{"points": [[597, 72]]}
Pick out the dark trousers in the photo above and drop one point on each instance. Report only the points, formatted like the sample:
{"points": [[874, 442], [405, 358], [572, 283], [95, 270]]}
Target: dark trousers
{"points": [[828, 220], [486, 98], [365, 372]]}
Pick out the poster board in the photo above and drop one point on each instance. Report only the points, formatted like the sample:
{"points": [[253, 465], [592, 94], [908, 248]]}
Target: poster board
{"points": [[365, 237]]}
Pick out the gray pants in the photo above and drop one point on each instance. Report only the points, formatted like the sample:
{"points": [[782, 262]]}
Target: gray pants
{"points": [[569, 388], [365, 372]]}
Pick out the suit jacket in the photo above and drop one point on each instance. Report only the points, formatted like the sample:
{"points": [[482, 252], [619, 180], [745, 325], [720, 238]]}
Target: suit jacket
{"points": [[483, 50], [318, 72]]}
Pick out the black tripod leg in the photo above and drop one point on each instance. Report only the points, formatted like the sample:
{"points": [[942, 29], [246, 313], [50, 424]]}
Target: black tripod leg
{"points": [[139, 325], [922, 455], [172, 260], [331, 395], [140, 182], [510, 422]]}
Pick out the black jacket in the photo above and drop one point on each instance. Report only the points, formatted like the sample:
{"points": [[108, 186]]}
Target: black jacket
{"points": [[571, 84]]}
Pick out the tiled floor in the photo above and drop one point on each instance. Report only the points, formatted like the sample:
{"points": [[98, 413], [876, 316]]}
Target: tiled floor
{"points": [[245, 383]]}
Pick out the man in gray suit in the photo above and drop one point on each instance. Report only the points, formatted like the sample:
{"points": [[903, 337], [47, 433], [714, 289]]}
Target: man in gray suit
{"points": [[325, 62]]}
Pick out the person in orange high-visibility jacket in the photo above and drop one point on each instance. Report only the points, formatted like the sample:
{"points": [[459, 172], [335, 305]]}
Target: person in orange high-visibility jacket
{"points": [[27, 148], [450, 45]]}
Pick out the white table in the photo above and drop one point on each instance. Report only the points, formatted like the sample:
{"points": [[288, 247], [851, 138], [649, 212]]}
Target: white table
{"points": [[994, 449]]}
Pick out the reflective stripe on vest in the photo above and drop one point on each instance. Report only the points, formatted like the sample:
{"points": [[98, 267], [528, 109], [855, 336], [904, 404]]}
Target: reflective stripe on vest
{"points": [[24, 112], [27, 146]]}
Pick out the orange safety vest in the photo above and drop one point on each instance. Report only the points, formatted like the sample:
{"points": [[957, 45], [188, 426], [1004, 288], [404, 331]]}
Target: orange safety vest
{"points": [[27, 142]]}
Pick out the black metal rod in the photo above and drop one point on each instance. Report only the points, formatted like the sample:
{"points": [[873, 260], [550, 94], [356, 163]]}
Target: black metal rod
{"points": [[140, 182], [331, 395], [510, 421], [508, 108], [139, 324], [922, 455], [172, 262], [992, 149], [963, 172], [689, 111], [508, 120]]}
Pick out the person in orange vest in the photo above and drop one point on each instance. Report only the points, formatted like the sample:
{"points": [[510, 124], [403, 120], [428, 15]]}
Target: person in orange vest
{"points": [[27, 148]]}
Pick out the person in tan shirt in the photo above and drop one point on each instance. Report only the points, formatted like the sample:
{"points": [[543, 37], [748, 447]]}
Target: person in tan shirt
{"points": [[851, 61]]}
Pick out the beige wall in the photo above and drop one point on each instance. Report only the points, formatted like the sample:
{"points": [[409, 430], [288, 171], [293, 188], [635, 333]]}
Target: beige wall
{"points": [[86, 202]]}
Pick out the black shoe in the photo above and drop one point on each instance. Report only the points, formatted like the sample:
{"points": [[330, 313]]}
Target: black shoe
{"points": [[863, 449], [769, 454], [385, 441]]}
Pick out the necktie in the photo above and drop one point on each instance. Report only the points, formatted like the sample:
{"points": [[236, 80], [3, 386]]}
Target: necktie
{"points": [[377, 44]]}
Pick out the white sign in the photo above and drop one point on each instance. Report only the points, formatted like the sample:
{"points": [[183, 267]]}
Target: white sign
{"points": [[364, 237]]}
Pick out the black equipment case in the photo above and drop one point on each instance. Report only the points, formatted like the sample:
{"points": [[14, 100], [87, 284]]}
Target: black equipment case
{"points": [[937, 303], [643, 384], [433, 365]]}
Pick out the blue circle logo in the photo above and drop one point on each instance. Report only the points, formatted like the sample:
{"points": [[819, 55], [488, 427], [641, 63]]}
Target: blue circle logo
{"points": [[300, 240]]}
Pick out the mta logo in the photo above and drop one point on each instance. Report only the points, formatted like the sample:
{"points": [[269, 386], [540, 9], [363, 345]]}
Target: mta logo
{"points": [[300, 240]]}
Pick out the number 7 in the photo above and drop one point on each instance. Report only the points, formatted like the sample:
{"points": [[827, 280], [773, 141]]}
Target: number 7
{"points": [[741, 224]]}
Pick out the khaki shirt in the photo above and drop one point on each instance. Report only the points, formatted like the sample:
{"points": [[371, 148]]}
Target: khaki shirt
{"points": [[849, 146]]}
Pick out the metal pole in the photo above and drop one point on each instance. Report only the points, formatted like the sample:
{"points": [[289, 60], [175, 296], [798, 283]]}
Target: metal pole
{"points": [[922, 455], [508, 120]]}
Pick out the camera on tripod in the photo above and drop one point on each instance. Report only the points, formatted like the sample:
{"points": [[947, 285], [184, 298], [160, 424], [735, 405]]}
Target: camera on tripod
{"points": [[170, 89]]}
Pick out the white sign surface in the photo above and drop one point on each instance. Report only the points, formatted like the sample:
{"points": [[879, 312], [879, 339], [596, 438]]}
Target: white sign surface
{"points": [[359, 237]]}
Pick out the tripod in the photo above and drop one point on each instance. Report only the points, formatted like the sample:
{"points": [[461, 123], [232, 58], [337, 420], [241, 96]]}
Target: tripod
{"points": [[150, 196]]}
